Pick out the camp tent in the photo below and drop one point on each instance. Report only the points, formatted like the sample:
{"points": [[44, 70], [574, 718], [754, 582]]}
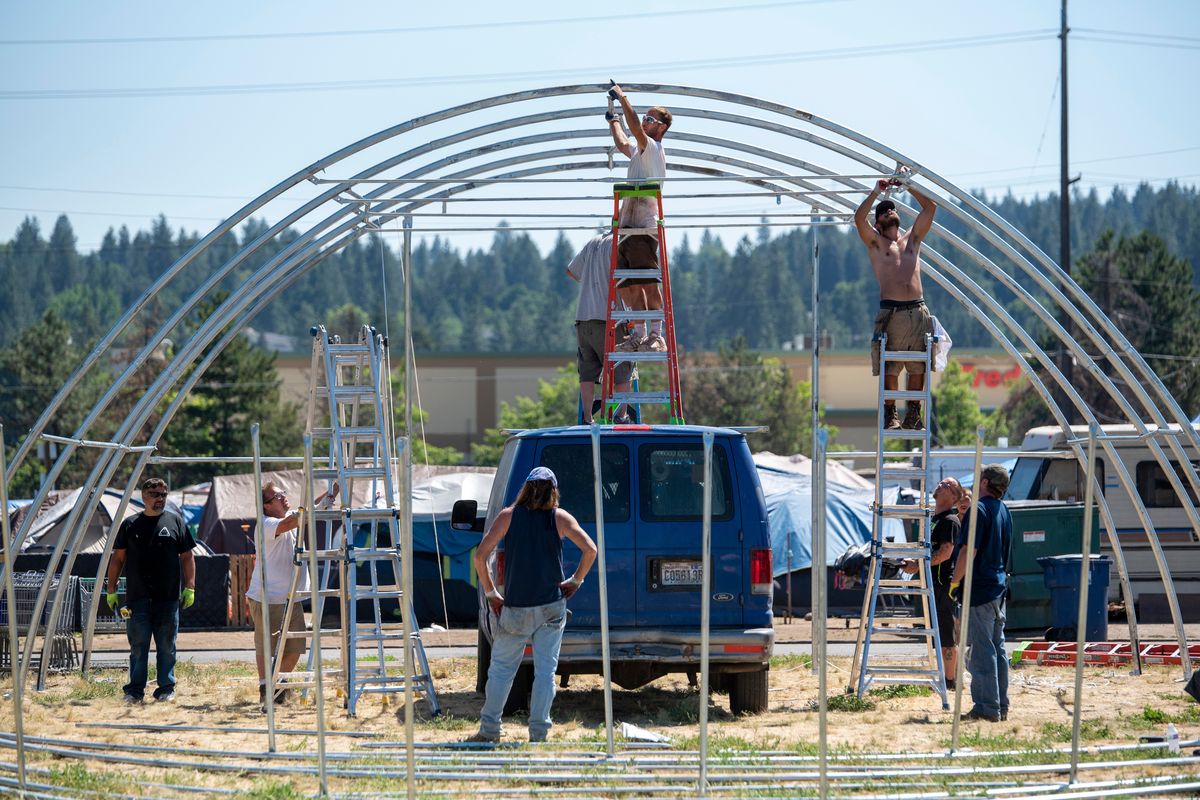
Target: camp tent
{"points": [[848, 519], [50, 521]]}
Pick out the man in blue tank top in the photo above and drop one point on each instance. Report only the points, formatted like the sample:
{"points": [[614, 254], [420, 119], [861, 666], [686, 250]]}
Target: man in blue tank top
{"points": [[534, 603]]}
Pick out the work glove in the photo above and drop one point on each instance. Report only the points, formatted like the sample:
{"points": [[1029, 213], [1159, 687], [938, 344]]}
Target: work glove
{"points": [[111, 599], [956, 591], [189, 597], [609, 116]]}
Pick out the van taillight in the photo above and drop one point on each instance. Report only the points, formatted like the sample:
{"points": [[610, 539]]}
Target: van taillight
{"points": [[761, 581]]}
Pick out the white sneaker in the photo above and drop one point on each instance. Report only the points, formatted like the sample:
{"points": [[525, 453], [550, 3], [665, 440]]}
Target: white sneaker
{"points": [[654, 343]]}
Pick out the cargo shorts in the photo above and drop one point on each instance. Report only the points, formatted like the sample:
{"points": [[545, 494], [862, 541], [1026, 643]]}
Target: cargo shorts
{"points": [[906, 327], [589, 355]]}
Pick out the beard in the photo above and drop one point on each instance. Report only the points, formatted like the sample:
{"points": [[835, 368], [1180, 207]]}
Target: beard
{"points": [[889, 224]]}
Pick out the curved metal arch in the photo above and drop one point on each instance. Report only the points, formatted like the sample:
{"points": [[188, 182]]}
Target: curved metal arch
{"points": [[1012, 250]]}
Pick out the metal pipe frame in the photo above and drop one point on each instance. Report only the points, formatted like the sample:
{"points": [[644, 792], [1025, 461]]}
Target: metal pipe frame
{"points": [[348, 221]]}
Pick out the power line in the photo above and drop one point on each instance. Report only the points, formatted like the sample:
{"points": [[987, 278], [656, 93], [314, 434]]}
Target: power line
{"points": [[758, 60], [461, 26], [1164, 36]]}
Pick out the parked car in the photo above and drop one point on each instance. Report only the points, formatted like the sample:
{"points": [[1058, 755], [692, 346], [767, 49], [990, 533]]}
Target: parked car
{"points": [[652, 481]]}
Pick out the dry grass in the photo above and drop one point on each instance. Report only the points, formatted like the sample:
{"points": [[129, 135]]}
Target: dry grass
{"points": [[1117, 708]]}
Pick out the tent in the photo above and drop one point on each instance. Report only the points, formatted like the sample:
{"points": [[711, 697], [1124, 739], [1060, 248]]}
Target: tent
{"points": [[231, 511], [848, 519], [50, 521]]}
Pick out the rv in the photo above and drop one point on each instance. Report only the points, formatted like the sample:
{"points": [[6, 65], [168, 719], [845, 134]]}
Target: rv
{"points": [[1040, 478]]}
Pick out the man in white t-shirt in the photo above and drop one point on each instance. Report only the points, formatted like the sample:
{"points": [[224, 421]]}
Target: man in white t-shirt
{"points": [[591, 268], [647, 162], [280, 531]]}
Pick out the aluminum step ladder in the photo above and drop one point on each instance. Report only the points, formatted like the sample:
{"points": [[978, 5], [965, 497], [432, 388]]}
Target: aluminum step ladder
{"points": [[610, 399], [867, 669], [350, 406]]}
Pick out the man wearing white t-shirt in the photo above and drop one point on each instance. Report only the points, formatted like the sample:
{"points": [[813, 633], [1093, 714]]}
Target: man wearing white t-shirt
{"points": [[647, 162], [280, 531], [591, 268]]}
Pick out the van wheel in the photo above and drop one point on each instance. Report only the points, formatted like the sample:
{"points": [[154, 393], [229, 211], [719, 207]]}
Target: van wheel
{"points": [[748, 692], [518, 695], [483, 657]]}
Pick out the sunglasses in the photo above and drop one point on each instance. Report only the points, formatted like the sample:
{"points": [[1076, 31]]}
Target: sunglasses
{"points": [[158, 493], [651, 118], [276, 497]]}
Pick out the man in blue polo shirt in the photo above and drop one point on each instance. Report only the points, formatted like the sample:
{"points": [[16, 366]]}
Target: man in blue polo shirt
{"points": [[993, 542]]}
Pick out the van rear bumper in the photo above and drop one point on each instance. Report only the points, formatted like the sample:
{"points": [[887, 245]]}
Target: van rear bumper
{"points": [[672, 646]]}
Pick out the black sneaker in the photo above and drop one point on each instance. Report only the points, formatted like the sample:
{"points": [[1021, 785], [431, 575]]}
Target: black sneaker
{"points": [[976, 714]]}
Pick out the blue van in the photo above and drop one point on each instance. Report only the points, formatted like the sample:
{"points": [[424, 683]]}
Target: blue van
{"points": [[653, 494]]}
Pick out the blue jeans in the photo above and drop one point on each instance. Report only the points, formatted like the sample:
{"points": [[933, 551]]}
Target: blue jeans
{"points": [[987, 661], [160, 619], [544, 625]]}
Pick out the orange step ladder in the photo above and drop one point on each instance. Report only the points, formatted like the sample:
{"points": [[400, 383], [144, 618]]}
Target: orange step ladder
{"points": [[611, 400]]}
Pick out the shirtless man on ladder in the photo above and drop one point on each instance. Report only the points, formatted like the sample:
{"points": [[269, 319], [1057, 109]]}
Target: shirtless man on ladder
{"points": [[903, 316]]}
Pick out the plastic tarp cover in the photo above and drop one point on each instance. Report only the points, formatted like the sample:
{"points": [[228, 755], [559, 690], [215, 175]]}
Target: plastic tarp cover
{"points": [[848, 518]]}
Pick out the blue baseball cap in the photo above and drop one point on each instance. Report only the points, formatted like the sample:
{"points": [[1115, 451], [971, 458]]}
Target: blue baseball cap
{"points": [[542, 474]]}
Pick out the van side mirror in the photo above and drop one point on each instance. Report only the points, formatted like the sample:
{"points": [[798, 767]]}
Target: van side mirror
{"points": [[464, 516]]}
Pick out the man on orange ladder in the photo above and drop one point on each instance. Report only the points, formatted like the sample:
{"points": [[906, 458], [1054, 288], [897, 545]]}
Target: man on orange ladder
{"points": [[647, 161], [903, 316]]}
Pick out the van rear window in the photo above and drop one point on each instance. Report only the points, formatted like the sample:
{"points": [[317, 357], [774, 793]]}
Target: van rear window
{"points": [[672, 487], [572, 465], [1155, 488]]}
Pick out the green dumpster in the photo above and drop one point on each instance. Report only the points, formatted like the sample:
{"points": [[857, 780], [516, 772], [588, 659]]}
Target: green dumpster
{"points": [[1041, 528]]}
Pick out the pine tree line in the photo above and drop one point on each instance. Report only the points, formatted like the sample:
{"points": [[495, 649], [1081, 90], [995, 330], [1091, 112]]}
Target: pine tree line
{"points": [[512, 298]]}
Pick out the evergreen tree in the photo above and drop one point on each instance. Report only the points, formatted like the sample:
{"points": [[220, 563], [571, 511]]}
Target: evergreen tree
{"points": [[241, 387], [956, 406]]}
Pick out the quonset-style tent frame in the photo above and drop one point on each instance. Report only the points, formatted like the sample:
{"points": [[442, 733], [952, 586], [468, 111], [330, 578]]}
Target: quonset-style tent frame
{"points": [[518, 139]]}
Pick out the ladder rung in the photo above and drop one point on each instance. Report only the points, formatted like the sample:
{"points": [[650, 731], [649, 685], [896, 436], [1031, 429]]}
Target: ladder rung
{"points": [[647, 356], [638, 232], [905, 512], [348, 432], [896, 590], [380, 637], [353, 392], [389, 594], [641, 397], [638, 316], [906, 631], [332, 473], [913, 473], [905, 394], [903, 433], [884, 678], [356, 514], [347, 348], [644, 274], [906, 586], [903, 355]]}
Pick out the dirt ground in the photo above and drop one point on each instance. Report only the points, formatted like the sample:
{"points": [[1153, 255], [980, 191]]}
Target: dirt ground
{"points": [[222, 699]]}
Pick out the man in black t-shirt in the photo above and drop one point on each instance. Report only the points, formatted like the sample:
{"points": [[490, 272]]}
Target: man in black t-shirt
{"points": [[155, 550]]}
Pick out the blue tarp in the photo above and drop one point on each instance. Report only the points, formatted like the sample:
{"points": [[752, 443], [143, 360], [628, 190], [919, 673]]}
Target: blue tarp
{"points": [[789, 514]]}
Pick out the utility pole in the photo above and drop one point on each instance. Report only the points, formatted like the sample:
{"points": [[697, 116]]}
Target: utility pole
{"points": [[1064, 190], [1064, 182]]}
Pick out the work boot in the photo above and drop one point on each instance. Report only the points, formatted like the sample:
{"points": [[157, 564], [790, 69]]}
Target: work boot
{"points": [[912, 419], [891, 420]]}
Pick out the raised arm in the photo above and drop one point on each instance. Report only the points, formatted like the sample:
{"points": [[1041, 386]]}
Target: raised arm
{"points": [[631, 119], [862, 224], [618, 134], [924, 219]]}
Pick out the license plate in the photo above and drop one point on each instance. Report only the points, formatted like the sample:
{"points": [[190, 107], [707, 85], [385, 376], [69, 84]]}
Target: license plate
{"points": [[680, 573]]}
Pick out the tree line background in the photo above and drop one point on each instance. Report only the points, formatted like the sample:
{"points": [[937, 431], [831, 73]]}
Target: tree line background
{"points": [[1135, 255]]}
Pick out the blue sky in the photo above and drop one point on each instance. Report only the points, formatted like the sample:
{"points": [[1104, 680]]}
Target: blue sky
{"points": [[115, 112]]}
